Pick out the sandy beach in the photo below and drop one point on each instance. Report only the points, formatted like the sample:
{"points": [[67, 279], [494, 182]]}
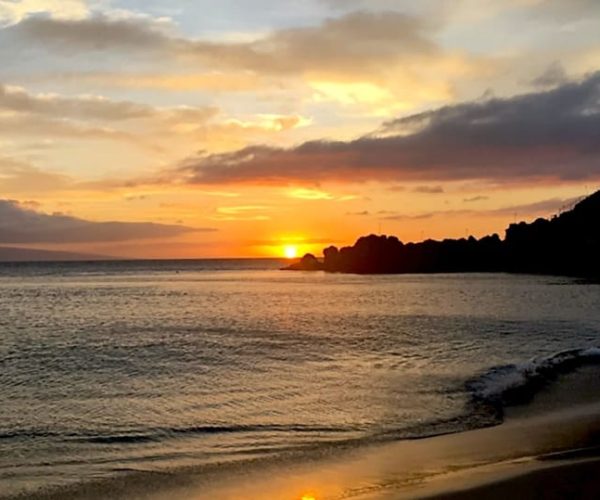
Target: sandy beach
{"points": [[570, 479]]}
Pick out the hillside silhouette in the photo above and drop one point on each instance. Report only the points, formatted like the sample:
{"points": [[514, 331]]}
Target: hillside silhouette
{"points": [[567, 244]]}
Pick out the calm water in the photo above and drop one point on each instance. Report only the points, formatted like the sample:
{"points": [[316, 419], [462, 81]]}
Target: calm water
{"points": [[153, 366]]}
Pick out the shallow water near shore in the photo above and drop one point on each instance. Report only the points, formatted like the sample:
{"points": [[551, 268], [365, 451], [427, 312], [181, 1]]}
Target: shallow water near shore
{"points": [[107, 369]]}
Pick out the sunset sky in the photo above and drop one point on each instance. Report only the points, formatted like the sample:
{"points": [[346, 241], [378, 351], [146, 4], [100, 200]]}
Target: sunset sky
{"points": [[236, 128]]}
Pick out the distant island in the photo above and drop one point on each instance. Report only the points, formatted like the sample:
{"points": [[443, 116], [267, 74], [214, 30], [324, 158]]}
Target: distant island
{"points": [[566, 244]]}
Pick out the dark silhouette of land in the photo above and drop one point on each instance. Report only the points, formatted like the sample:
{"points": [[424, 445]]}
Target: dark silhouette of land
{"points": [[567, 244]]}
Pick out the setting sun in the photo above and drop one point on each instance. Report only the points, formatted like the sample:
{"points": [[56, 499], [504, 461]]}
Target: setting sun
{"points": [[290, 251]]}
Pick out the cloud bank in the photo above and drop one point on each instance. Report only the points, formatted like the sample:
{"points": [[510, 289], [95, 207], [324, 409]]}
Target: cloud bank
{"points": [[22, 225], [551, 135]]}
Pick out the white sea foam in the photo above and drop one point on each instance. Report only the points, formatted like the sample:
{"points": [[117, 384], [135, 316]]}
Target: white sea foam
{"points": [[497, 383]]}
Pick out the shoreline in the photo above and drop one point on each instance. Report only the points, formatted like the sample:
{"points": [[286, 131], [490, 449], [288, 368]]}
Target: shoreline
{"points": [[575, 479], [557, 425], [521, 455]]}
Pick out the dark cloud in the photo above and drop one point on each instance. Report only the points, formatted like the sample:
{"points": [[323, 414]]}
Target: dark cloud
{"points": [[552, 135], [20, 224]]}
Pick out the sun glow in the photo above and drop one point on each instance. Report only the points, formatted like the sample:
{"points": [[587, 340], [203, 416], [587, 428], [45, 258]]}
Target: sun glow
{"points": [[290, 251]]}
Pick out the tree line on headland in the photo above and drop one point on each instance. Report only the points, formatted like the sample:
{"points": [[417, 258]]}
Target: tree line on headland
{"points": [[567, 244]]}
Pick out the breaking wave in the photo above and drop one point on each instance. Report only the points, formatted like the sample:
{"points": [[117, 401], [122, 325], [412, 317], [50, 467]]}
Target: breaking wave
{"points": [[515, 384]]}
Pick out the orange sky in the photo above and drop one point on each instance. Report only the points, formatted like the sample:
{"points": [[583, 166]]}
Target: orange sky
{"points": [[136, 129]]}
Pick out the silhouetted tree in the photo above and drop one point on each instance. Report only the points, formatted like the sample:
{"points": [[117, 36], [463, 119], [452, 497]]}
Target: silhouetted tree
{"points": [[567, 244]]}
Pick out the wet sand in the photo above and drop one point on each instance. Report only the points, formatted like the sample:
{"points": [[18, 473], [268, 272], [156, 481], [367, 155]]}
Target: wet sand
{"points": [[564, 480]]}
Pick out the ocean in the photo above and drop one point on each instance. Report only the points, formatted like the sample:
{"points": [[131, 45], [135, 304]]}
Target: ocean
{"points": [[109, 369]]}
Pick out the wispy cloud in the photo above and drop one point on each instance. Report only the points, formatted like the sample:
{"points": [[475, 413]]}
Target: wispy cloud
{"points": [[242, 213], [16, 176], [310, 194], [429, 190], [474, 199], [553, 76], [544, 208], [17, 99]]}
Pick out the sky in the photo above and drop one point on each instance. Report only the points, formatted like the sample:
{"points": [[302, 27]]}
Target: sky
{"points": [[240, 128]]}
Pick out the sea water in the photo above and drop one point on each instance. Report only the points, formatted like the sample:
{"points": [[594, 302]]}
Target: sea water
{"points": [[116, 367]]}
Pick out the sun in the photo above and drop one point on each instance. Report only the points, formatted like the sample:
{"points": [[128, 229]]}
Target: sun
{"points": [[290, 251]]}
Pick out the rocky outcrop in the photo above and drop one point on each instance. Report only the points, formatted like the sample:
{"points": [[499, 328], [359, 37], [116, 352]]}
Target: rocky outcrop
{"points": [[307, 263], [567, 244]]}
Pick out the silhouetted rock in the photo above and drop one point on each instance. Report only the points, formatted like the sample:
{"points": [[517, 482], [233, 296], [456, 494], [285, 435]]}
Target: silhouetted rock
{"points": [[307, 263], [567, 244]]}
